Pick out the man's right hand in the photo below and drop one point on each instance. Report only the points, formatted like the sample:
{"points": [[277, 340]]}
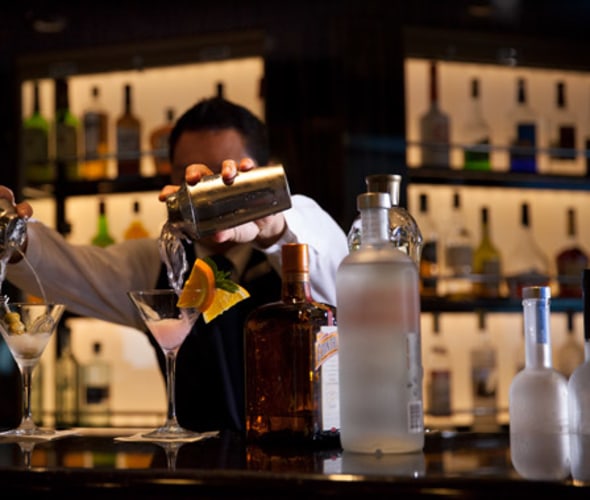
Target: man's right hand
{"points": [[23, 209]]}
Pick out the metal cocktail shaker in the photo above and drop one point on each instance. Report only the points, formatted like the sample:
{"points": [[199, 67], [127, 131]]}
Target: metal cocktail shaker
{"points": [[210, 205], [13, 229]]}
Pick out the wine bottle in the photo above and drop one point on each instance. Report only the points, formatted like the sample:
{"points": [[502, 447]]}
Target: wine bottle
{"points": [[96, 144], [570, 353], [458, 254], [484, 380], [487, 262], [476, 133], [579, 398], [528, 265], [136, 228], [429, 261], [571, 260], [563, 153], [538, 398], [159, 138], [435, 127], [102, 238], [96, 390], [67, 387], [379, 342], [291, 353], [128, 129], [67, 131], [36, 143], [523, 146], [438, 374], [404, 233]]}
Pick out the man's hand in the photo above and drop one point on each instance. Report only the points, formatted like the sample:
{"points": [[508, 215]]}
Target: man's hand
{"points": [[23, 209]]}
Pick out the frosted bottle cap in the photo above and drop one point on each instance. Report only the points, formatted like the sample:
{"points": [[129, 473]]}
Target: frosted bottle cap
{"points": [[385, 183], [536, 292], [295, 258], [373, 200]]}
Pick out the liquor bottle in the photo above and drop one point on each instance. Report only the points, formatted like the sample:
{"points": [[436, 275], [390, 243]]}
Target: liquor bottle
{"points": [[67, 130], [96, 141], [579, 398], [128, 129], [159, 138], [438, 374], [36, 143], [404, 232], [67, 387], [528, 265], [136, 228], [102, 238], [563, 154], [381, 409], [435, 128], [571, 260], [570, 353], [476, 134], [523, 145], [291, 353], [429, 261], [458, 254], [487, 262], [484, 380], [95, 390], [538, 398]]}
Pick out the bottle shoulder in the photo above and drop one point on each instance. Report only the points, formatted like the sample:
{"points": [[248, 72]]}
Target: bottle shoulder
{"points": [[292, 312], [384, 253]]}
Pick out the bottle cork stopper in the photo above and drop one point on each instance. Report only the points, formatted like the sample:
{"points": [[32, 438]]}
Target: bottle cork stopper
{"points": [[295, 258]]}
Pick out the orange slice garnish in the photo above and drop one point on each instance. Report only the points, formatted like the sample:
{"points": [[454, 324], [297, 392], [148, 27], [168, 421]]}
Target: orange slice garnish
{"points": [[199, 289]]}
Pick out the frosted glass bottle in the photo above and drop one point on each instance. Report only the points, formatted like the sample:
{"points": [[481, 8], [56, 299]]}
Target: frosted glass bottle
{"points": [[380, 369], [579, 399], [404, 232], [538, 400]]}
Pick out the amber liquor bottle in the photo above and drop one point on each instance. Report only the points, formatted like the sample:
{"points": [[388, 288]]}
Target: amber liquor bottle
{"points": [[291, 346]]}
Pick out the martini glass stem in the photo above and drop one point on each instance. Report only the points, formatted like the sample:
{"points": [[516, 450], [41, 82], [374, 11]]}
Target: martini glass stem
{"points": [[27, 422], [171, 420]]}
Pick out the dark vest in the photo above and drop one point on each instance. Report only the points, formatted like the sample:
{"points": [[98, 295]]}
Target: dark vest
{"points": [[210, 363]]}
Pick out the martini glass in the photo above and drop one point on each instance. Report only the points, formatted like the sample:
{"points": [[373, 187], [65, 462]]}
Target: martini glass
{"points": [[26, 328], [169, 325]]}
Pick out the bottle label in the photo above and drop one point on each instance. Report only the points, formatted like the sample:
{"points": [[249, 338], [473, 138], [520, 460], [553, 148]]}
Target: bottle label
{"points": [[566, 143], [522, 153], [327, 361], [326, 345]]}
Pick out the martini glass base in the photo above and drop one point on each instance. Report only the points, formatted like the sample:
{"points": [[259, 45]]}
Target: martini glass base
{"points": [[171, 433], [28, 433]]}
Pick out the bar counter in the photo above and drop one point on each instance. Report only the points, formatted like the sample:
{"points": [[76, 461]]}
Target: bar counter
{"points": [[92, 464]]}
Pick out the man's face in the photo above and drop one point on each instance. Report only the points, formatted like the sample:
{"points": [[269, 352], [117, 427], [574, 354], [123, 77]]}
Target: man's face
{"points": [[210, 147]]}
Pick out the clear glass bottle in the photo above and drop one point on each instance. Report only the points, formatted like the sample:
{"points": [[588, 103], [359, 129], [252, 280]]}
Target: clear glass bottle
{"points": [[136, 228], [67, 131], [128, 127], [538, 399], [102, 238], [95, 390], [476, 133], [563, 156], [67, 386], [429, 259], [438, 374], [484, 380], [404, 232], [458, 254], [291, 356], [579, 399], [571, 260], [528, 265], [487, 262], [380, 361], [524, 142], [435, 127], [96, 141], [35, 148], [570, 353]]}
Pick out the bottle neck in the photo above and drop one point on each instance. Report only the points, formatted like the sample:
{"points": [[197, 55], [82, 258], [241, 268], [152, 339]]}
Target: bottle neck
{"points": [[296, 287], [537, 333], [375, 226]]}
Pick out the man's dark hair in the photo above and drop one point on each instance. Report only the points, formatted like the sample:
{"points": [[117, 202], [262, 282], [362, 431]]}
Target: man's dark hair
{"points": [[217, 113]]}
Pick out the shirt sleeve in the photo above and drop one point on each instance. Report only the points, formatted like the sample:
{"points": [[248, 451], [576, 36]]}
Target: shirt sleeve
{"points": [[89, 280], [309, 223]]}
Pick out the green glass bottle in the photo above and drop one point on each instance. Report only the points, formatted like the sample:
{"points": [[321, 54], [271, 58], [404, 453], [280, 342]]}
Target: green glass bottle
{"points": [[102, 237], [36, 143]]}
